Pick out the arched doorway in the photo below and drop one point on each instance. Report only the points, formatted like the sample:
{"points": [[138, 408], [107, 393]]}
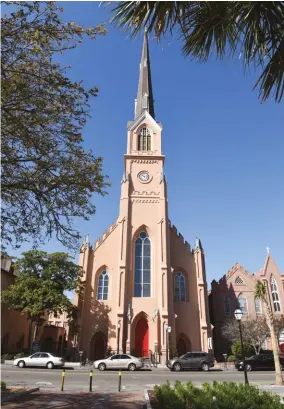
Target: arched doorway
{"points": [[99, 345], [142, 338], [181, 347]]}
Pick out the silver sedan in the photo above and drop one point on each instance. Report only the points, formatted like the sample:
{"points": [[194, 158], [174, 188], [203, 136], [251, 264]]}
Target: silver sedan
{"points": [[45, 359], [119, 361]]}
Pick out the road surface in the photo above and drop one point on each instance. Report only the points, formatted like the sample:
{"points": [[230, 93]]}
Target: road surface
{"points": [[78, 379]]}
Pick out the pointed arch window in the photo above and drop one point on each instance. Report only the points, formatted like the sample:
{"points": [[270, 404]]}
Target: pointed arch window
{"points": [[227, 305], [179, 287], [103, 282], [257, 306], [144, 139], [142, 276], [242, 303], [275, 295]]}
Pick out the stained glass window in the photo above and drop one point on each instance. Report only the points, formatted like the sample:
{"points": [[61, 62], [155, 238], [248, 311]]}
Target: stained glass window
{"points": [[227, 305], [142, 277], [179, 287], [103, 286]]}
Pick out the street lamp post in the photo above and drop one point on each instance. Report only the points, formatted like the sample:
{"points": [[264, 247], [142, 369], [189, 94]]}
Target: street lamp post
{"points": [[238, 315], [118, 336], [168, 331]]}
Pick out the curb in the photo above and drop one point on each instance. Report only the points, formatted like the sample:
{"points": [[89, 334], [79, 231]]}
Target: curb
{"points": [[148, 404], [16, 395]]}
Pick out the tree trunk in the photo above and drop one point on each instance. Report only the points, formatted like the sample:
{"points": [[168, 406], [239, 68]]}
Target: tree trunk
{"points": [[275, 349], [35, 331], [274, 342]]}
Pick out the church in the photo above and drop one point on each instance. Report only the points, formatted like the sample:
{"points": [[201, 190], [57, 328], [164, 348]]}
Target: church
{"points": [[146, 290]]}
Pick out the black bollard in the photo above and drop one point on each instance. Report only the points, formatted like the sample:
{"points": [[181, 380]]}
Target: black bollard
{"points": [[91, 381], [62, 380], [119, 381]]}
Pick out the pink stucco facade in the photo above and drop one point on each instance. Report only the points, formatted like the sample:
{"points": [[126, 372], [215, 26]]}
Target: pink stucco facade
{"points": [[14, 325], [134, 315], [238, 284]]}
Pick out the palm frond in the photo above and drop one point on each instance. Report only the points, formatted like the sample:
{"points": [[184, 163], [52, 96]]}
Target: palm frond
{"points": [[260, 290], [252, 28]]}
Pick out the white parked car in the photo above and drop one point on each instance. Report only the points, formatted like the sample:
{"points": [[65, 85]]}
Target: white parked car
{"points": [[40, 359], [119, 361]]}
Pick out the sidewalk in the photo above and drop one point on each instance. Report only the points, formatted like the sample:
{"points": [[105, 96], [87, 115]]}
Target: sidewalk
{"points": [[66, 400]]}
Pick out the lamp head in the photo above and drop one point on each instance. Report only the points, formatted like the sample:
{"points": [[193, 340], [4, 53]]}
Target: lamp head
{"points": [[238, 314]]}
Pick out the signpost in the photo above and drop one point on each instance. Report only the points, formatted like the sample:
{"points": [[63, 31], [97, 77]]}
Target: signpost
{"points": [[225, 356], [81, 354]]}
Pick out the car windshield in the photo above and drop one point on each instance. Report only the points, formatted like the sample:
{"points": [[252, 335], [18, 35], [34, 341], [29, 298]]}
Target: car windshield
{"points": [[52, 355], [252, 357]]}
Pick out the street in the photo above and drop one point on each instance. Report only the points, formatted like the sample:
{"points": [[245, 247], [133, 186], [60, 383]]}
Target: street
{"points": [[78, 379]]}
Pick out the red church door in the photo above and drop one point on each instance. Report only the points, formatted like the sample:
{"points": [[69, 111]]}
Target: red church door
{"points": [[142, 338]]}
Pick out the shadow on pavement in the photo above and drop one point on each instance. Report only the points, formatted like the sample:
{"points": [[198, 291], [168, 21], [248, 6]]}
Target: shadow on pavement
{"points": [[82, 400]]}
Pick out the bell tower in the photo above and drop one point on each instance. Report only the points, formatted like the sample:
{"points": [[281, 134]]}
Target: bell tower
{"points": [[144, 218]]}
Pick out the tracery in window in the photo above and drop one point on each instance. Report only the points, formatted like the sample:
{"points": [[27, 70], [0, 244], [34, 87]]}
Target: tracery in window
{"points": [[179, 287]]}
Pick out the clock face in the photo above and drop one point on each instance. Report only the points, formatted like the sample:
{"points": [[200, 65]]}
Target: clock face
{"points": [[143, 176]]}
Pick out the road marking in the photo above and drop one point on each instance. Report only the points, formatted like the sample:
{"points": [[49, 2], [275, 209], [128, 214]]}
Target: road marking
{"points": [[44, 383]]}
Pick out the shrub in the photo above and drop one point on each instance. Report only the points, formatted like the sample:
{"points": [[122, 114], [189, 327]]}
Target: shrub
{"points": [[237, 350], [216, 395], [21, 355], [6, 357], [231, 358], [3, 386]]}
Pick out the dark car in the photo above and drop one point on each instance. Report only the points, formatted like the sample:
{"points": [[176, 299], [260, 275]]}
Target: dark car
{"points": [[259, 362], [192, 360]]}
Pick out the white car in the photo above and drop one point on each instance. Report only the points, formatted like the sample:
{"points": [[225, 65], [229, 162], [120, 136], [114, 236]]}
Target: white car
{"points": [[40, 359], [119, 361]]}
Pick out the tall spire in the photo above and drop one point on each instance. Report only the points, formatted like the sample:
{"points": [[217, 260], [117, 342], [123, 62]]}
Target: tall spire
{"points": [[145, 101]]}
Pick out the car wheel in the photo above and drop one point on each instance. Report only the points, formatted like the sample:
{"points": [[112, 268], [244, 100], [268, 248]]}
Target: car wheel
{"points": [[248, 368], [49, 365], [21, 364], [131, 367], [205, 367], [102, 367], [177, 367]]}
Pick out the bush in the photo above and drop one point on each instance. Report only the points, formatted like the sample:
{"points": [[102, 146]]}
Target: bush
{"points": [[231, 358], [3, 386], [7, 357], [237, 350], [216, 395], [21, 355]]}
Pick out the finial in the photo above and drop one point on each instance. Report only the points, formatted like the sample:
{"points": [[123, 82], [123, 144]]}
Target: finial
{"points": [[197, 243], [268, 250]]}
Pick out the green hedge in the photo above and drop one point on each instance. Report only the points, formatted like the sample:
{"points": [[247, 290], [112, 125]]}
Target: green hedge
{"points": [[225, 395], [3, 386], [21, 355], [231, 358], [7, 357]]}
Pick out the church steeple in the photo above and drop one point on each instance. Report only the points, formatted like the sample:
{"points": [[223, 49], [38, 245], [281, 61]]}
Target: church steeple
{"points": [[145, 101]]}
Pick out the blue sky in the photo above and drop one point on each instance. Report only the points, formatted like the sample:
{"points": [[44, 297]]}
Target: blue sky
{"points": [[224, 150]]}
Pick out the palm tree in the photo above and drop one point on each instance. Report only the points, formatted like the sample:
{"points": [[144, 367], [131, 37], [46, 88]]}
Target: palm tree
{"points": [[261, 292], [253, 30]]}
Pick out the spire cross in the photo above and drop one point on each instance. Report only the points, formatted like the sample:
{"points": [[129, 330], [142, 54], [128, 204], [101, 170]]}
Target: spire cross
{"points": [[268, 250]]}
